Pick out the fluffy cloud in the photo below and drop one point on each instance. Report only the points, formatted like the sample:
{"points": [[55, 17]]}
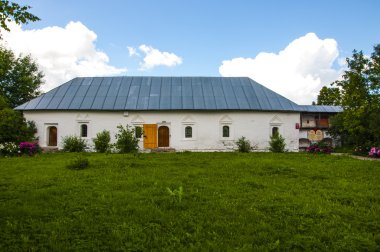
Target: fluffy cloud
{"points": [[132, 51], [298, 72], [154, 57], [62, 53]]}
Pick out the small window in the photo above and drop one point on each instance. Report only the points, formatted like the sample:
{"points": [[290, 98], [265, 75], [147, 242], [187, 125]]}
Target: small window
{"points": [[188, 132], [138, 131], [226, 131], [83, 130], [274, 131]]}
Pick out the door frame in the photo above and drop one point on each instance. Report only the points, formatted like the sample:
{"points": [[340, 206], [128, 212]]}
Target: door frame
{"points": [[158, 136], [49, 129]]}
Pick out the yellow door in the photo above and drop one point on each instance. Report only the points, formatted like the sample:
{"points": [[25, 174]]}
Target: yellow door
{"points": [[150, 136]]}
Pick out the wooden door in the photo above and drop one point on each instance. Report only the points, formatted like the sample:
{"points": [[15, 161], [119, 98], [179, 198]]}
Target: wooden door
{"points": [[163, 136], [150, 136], [52, 136]]}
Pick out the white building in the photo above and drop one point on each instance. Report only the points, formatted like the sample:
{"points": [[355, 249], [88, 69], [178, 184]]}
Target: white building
{"points": [[183, 113]]}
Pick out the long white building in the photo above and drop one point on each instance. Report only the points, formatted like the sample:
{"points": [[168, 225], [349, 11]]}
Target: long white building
{"points": [[182, 113]]}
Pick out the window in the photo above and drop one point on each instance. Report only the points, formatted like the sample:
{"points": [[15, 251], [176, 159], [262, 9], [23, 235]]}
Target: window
{"points": [[274, 131], [138, 132], [188, 132], [83, 130], [226, 131]]}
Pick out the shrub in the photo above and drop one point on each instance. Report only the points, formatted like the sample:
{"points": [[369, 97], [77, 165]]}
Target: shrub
{"points": [[277, 143], [73, 144], [14, 127], [126, 140], [29, 148], [102, 141], [319, 147], [244, 145], [8, 149], [79, 163]]}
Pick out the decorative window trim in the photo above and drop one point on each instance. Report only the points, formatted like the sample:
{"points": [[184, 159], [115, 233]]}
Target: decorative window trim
{"points": [[279, 126], [231, 135], [135, 126], [79, 128], [193, 128], [139, 124]]}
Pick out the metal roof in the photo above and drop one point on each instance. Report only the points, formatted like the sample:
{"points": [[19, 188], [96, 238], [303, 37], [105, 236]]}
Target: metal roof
{"points": [[161, 93], [321, 109]]}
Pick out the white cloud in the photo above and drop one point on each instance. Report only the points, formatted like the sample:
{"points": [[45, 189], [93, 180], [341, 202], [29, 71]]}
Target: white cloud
{"points": [[298, 72], [132, 51], [153, 57], [62, 53]]}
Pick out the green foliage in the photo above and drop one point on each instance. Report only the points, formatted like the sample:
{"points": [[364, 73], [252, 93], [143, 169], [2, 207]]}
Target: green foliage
{"points": [[14, 127], [74, 144], [78, 163], [20, 78], [126, 140], [277, 143], [14, 12], [359, 124], [329, 96], [231, 202], [102, 141], [3, 103], [244, 145]]}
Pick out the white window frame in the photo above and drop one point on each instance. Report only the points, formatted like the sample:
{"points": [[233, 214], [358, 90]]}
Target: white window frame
{"points": [[230, 137], [193, 129], [141, 138], [79, 129]]}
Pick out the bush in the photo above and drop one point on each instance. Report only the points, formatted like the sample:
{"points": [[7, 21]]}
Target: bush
{"points": [[74, 144], [8, 149], [244, 145], [374, 152], [319, 147], [277, 143], [29, 148], [126, 140], [102, 141], [79, 163], [14, 127]]}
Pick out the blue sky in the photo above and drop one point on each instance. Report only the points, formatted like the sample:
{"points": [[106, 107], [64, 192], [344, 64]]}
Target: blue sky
{"points": [[198, 36]]}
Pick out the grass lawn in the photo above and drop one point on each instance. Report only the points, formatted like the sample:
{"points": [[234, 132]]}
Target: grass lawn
{"points": [[230, 201]]}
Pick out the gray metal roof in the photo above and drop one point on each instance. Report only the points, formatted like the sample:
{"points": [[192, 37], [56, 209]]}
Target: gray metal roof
{"points": [[161, 93], [321, 108]]}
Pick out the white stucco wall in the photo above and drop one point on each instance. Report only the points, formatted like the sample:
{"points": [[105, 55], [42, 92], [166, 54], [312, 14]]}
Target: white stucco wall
{"points": [[207, 126]]}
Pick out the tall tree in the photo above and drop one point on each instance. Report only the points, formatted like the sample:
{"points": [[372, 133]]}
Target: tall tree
{"points": [[14, 12], [20, 78], [360, 86], [329, 96]]}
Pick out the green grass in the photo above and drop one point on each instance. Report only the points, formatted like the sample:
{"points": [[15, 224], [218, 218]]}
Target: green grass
{"points": [[229, 201]]}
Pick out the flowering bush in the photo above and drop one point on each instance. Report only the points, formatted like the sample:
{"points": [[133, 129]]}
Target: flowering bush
{"points": [[8, 149], [319, 148], [29, 148], [374, 152]]}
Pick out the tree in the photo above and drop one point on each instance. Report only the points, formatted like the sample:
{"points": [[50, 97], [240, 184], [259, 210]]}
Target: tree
{"points": [[14, 127], [126, 141], [20, 78], [359, 122], [329, 96], [12, 11], [277, 143]]}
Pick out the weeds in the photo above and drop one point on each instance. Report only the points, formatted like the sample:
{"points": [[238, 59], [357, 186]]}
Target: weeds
{"points": [[175, 194]]}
